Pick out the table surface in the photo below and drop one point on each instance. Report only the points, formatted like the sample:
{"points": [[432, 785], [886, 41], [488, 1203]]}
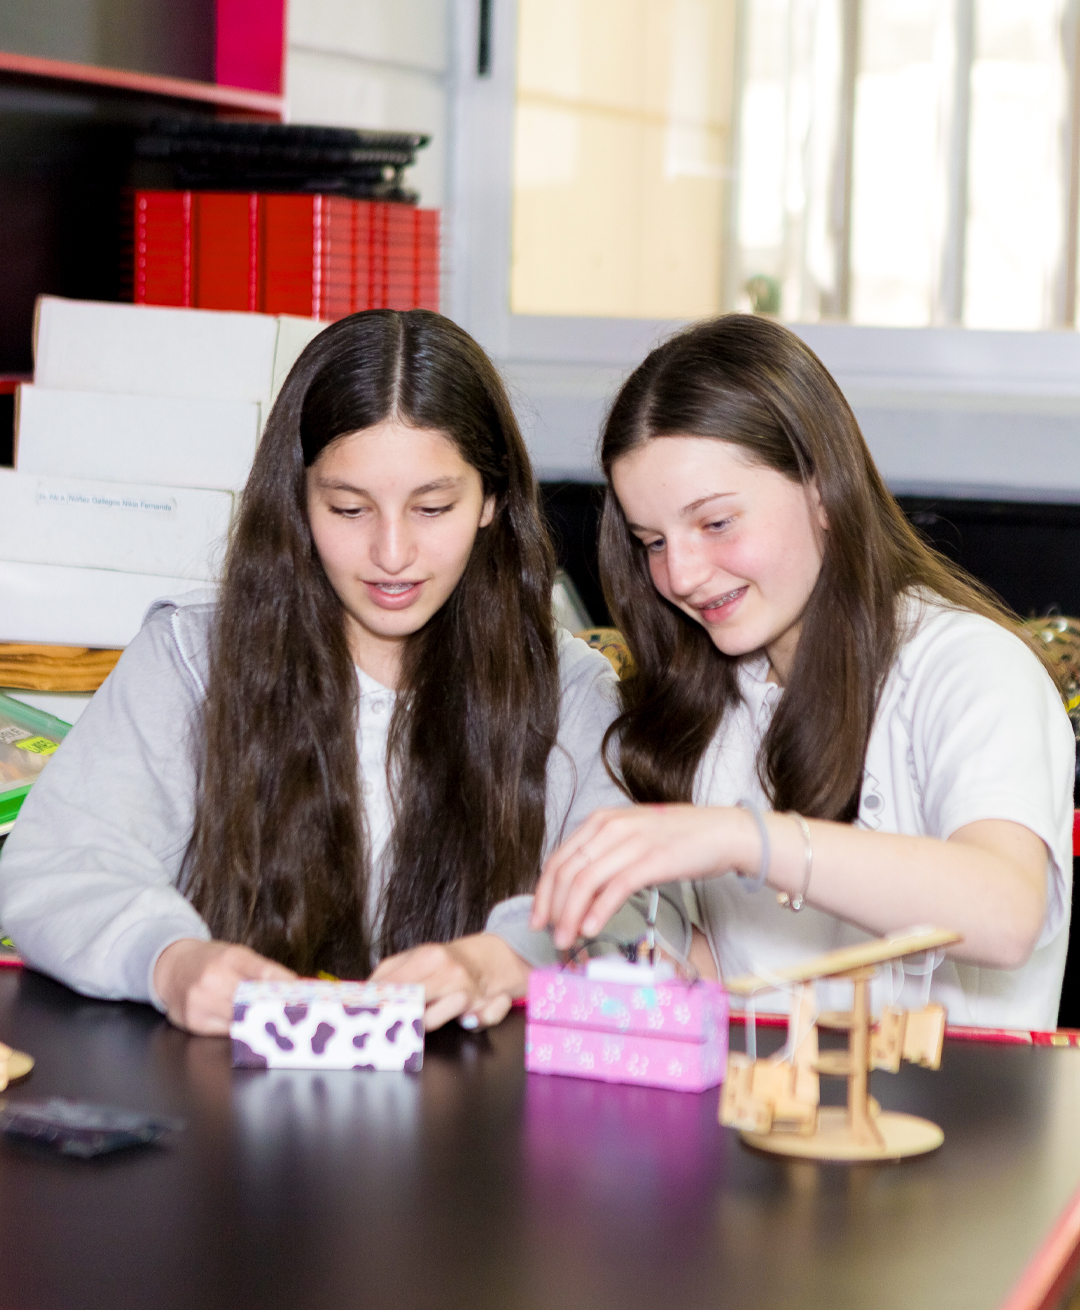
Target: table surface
{"points": [[475, 1185]]}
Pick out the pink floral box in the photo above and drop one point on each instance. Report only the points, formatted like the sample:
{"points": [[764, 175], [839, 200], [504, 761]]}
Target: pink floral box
{"points": [[667, 1034]]}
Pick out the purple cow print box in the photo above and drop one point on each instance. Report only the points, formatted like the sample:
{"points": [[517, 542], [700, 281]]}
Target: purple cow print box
{"points": [[309, 1024]]}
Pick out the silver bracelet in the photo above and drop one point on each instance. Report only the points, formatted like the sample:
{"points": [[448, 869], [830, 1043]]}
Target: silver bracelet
{"points": [[756, 884], [795, 902]]}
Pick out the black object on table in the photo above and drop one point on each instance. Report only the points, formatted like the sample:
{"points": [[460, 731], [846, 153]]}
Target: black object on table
{"points": [[474, 1185]]}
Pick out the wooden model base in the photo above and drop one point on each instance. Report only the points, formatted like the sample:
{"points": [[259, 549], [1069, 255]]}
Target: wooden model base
{"points": [[901, 1134], [13, 1064]]}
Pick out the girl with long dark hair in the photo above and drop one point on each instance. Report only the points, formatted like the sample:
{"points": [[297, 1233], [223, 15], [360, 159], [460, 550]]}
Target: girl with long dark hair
{"points": [[361, 749], [821, 704]]}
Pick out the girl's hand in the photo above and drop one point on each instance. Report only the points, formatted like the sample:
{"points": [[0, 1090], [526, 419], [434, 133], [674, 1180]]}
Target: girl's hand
{"points": [[618, 852], [474, 979], [196, 980]]}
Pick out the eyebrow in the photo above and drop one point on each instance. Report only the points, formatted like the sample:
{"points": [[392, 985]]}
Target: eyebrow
{"points": [[687, 510], [438, 484]]}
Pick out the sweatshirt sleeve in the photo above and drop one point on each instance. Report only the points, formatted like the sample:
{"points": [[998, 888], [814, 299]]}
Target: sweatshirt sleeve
{"points": [[577, 784], [88, 875]]}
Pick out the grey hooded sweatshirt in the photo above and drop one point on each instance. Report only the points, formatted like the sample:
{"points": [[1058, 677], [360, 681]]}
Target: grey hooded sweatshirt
{"points": [[88, 876]]}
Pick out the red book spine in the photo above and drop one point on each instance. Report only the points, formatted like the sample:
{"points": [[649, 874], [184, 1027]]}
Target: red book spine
{"points": [[290, 266], [226, 250], [400, 256], [377, 289], [162, 254], [362, 241], [426, 285], [338, 257]]}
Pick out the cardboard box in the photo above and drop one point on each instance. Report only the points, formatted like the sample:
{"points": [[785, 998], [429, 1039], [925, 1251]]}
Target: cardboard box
{"points": [[310, 1024], [163, 441], [148, 350], [176, 532], [78, 607], [657, 1034]]}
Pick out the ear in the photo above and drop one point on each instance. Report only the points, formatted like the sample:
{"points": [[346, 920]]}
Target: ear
{"points": [[817, 509], [488, 512]]}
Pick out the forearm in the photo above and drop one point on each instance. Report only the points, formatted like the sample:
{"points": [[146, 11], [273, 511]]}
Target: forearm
{"points": [[880, 882]]}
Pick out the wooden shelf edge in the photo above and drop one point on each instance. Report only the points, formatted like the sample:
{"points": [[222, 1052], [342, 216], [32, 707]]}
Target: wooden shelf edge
{"points": [[173, 88]]}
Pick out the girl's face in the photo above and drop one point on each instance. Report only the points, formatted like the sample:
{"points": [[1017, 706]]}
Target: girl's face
{"points": [[735, 545], [394, 512]]}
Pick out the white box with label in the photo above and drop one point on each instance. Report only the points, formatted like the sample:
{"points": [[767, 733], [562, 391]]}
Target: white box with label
{"points": [[175, 532]]}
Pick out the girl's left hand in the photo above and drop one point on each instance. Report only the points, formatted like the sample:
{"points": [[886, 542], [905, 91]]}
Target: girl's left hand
{"points": [[618, 852], [474, 979]]}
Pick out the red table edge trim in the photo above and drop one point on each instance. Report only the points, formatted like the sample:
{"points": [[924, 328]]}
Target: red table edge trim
{"points": [[1005, 1036], [1049, 1271]]}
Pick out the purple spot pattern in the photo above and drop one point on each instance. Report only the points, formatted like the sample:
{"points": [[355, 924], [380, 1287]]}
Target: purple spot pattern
{"points": [[302, 1024], [243, 1057], [415, 1062], [284, 1044], [365, 1068], [320, 1037]]}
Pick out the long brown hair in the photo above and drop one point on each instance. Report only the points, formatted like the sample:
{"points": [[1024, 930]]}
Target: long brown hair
{"points": [[749, 381], [278, 858]]}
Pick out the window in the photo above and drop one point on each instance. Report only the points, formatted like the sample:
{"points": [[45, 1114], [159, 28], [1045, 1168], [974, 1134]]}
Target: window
{"points": [[860, 167], [622, 151], [910, 162]]}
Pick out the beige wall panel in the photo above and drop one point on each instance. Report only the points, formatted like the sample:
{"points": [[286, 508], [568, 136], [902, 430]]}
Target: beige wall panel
{"points": [[622, 142]]}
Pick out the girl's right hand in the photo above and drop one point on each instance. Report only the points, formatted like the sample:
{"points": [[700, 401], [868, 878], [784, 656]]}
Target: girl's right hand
{"points": [[616, 853], [196, 981]]}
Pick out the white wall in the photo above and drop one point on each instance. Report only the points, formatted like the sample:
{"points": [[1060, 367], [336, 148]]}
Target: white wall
{"points": [[376, 64]]}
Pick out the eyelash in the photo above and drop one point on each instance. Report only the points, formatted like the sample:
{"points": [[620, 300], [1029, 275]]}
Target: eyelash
{"points": [[655, 547], [354, 511]]}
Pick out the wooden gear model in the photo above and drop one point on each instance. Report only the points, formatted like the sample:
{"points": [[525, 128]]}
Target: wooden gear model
{"points": [[13, 1064], [774, 1101]]}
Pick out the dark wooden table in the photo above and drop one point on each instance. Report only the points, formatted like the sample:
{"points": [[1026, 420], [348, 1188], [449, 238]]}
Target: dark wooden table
{"points": [[473, 1185]]}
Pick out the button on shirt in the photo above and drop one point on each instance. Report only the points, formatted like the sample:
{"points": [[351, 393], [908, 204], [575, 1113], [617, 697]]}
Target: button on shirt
{"points": [[969, 727]]}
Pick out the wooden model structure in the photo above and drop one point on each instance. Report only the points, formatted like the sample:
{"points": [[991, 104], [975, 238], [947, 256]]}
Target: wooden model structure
{"points": [[13, 1064], [774, 1101]]}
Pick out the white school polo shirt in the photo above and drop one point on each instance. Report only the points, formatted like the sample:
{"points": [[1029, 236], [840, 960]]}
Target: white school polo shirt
{"points": [[376, 706], [970, 726]]}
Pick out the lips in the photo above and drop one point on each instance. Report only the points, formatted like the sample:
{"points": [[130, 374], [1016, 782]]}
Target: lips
{"points": [[721, 607], [393, 595]]}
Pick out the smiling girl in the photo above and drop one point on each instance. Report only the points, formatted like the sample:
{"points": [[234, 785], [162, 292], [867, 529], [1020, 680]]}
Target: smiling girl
{"points": [[822, 705], [358, 752]]}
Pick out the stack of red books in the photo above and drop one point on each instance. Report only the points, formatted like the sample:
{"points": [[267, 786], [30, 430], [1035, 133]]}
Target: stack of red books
{"points": [[314, 255]]}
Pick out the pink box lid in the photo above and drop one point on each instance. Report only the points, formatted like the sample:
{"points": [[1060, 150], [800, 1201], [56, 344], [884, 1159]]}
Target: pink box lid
{"points": [[692, 1012]]}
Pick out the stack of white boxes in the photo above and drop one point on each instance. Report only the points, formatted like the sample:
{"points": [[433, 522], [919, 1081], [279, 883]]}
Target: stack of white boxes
{"points": [[131, 445], [133, 440]]}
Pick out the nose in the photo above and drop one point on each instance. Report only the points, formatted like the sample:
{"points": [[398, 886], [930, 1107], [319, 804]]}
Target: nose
{"points": [[686, 567], [393, 548]]}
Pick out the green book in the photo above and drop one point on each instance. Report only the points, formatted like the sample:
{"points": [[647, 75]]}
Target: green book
{"points": [[28, 740]]}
